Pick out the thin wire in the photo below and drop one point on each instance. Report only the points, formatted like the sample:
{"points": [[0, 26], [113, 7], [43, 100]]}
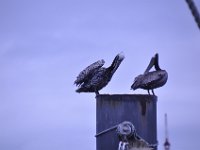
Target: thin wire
{"points": [[194, 11]]}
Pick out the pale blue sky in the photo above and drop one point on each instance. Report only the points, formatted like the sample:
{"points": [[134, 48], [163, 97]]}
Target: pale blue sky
{"points": [[45, 44]]}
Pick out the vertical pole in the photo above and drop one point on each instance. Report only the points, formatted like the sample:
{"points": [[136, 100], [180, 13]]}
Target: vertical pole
{"points": [[166, 144], [166, 127], [114, 109]]}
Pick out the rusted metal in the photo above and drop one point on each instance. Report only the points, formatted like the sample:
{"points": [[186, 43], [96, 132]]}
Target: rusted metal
{"points": [[111, 110], [130, 140]]}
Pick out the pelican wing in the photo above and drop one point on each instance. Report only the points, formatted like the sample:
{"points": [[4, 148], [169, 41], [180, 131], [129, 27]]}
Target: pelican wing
{"points": [[146, 80], [96, 82], [86, 73], [151, 79]]}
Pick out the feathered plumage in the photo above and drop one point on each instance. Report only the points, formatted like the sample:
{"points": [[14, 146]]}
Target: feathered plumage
{"points": [[95, 77], [151, 80]]}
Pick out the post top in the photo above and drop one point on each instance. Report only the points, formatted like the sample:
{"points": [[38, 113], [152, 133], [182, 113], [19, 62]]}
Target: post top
{"points": [[127, 95]]}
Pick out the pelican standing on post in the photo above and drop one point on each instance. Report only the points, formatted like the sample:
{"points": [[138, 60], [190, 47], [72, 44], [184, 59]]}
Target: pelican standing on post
{"points": [[95, 77], [151, 80]]}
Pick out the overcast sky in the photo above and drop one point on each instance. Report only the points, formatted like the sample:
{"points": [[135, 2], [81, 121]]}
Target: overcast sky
{"points": [[45, 44]]}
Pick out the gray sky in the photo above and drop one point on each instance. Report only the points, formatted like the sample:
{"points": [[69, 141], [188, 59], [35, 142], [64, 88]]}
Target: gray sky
{"points": [[45, 44]]}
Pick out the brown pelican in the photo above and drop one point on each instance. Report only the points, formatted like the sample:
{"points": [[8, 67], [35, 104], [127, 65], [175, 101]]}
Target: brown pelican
{"points": [[153, 79], [95, 77]]}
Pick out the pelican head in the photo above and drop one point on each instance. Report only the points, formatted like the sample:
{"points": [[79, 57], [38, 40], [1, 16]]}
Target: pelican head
{"points": [[121, 56], [116, 62], [156, 63]]}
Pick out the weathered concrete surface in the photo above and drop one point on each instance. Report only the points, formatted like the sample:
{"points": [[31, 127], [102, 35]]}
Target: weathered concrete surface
{"points": [[114, 109]]}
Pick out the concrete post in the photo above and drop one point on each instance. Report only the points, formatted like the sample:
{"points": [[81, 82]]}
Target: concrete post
{"points": [[114, 109]]}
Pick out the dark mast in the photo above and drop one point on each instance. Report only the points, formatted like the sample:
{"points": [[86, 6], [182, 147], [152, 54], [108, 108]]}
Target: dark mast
{"points": [[166, 144]]}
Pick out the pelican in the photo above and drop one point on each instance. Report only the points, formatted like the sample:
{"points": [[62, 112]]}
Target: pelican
{"points": [[151, 80], [95, 77]]}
